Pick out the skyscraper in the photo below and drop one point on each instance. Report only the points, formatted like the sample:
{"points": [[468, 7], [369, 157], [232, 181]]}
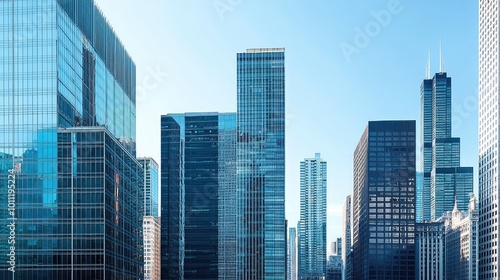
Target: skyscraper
{"points": [[383, 202], [489, 117], [261, 164], [198, 195], [150, 186], [67, 98], [346, 233], [292, 254], [152, 247], [443, 178], [312, 240]]}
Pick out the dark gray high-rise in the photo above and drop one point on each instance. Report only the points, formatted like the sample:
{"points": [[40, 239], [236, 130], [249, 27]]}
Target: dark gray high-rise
{"points": [[198, 212], [384, 202]]}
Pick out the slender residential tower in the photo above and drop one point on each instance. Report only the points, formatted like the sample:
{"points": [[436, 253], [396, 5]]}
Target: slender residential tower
{"points": [[261, 164], [292, 254], [150, 186], [312, 240], [489, 117], [346, 233]]}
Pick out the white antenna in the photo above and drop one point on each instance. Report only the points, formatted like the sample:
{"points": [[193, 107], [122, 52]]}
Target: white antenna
{"points": [[428, 70], [441, 60]]}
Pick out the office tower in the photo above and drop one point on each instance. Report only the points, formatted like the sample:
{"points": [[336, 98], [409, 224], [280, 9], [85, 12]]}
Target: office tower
{"points": [[292, 254], [419, 194], [346, 233], [338, 251], [312, 240], [383, 202], [348, 265], [443, 178], [152, 246], [488, 139], [336, 247], [334, 268], [78, 203], [198, 174], [261, 164], [150, 186], [462, 243], [430, 246]]}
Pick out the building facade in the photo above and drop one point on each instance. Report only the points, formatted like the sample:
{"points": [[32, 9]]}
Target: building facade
{"points": [[489, 116], [419, 194], [312, 240], [150, 175], [65, 69], [346, 233], [336, 247], [261, 164], [383, 202], [198, 196], [292, 254], [443, 178], [152, 247], [430, 240], [462, 243], [334, 268]]}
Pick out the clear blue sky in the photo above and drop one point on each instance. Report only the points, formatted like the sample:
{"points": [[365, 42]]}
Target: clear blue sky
{"points": [[185, 52]]}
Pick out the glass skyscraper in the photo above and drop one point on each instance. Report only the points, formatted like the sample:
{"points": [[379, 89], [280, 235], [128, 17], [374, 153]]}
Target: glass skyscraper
{"points": [[383, 202], [443, 178], [312, 238], [198, 171], [489, 117], [261, 226], [62, 66], [346, 234], [292, 254], [150, 186]]}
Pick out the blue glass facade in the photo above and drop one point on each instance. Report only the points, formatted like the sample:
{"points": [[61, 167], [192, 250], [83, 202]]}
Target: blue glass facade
{"points": [[61, 66], [419, 196], [424, 198], [198, 191], [261, 164], [384, 202], [150, 186], [312, 238], [444, 179]]}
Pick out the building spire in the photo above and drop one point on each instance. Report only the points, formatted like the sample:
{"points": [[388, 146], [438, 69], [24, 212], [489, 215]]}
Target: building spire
{"points": [[441, 60], [428, 68]]}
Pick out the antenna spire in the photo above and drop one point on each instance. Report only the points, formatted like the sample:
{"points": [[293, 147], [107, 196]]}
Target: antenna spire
{"points": [[441, 60], [428, 68]]}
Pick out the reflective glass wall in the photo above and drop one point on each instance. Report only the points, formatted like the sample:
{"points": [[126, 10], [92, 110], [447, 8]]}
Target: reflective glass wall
{"points": [[198, 196], [54, 72], [261, 164]]}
